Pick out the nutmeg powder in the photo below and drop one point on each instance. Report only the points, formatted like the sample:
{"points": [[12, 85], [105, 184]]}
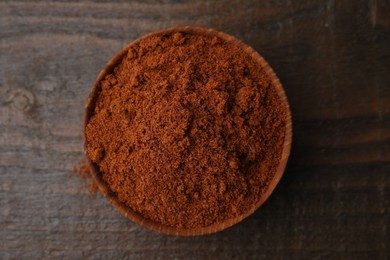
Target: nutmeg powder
{"points": [[187, 130]]}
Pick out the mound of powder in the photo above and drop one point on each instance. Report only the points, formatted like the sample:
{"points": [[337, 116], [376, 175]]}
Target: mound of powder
{"points": [[188, 130]]}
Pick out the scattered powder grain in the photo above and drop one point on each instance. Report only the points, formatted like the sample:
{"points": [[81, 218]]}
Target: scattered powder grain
{"points": [[82, 170]]}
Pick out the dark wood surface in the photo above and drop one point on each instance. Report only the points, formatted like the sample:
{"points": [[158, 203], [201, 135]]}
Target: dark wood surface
{"points": [[333, 58]]}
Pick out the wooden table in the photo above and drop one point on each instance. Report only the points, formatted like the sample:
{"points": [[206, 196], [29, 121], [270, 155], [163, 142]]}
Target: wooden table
{"points": [[333, 58]]}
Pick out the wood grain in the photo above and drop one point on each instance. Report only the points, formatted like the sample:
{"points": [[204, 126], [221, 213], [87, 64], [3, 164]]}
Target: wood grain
{"points": [[333, 58]]}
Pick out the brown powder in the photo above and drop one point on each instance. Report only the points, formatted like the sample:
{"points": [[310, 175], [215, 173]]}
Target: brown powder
{"points": [[82, 170], [188, 130]]}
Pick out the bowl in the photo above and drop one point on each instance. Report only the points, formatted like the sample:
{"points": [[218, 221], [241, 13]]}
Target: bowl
{"points": [[156, 226]]}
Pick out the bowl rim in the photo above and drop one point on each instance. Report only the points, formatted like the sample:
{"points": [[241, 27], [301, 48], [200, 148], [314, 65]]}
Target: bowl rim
{"points": [[156, 226]]}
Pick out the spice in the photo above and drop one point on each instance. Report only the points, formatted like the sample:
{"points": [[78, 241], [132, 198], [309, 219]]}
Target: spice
{"points": [[82, 170], [187, 130]]}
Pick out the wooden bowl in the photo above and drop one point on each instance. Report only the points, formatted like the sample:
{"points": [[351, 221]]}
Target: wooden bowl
{"points": [[136, 217]]}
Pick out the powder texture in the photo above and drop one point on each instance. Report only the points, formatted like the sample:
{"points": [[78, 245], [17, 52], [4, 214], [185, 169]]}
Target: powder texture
{"points": [[187, 130]]}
